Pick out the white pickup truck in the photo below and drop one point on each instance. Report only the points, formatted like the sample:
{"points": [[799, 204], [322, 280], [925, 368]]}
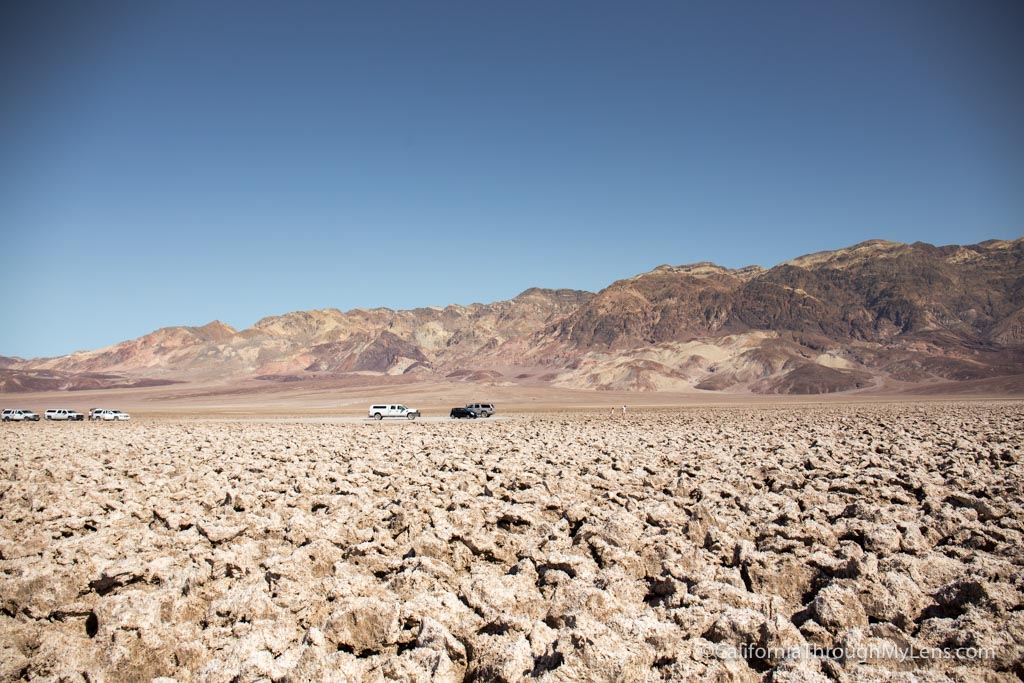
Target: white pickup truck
{"points": [[63, 414], [379, 412], [12, 415], [109, 415]]}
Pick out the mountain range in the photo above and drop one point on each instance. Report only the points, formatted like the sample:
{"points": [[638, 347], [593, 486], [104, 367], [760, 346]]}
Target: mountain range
{"points": [[875, 316]]}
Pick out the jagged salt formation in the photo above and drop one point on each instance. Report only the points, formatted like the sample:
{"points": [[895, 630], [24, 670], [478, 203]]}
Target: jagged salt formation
{"points": [[565, 548]]}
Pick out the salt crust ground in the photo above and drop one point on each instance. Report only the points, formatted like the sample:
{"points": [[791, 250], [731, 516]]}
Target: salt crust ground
{"points": [[561, 547]]}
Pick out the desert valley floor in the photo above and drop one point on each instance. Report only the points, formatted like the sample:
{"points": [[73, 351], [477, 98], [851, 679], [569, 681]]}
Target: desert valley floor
{"points": [[783, 542]]}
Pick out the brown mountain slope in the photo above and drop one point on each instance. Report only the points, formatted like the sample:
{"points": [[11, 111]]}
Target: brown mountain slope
{"points": [[907, 313], [872, 291], [872, 316], [326, 341]]}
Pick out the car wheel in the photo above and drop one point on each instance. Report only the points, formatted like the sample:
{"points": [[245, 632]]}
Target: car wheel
{"points": [[412, 417], [378, 416]]}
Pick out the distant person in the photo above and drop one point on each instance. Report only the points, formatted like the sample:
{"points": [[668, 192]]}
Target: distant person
{"points": [[623, 408], [612, 413]]}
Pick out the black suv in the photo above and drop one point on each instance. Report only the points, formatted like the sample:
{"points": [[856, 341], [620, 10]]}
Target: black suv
{"points": [[462, 412]]}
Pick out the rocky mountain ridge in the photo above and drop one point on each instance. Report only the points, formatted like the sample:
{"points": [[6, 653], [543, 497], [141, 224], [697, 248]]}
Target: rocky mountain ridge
{"points": [[874, 315]]}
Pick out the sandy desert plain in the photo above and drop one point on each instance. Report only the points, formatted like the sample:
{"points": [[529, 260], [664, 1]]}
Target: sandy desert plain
{"points": [[274, 536]]}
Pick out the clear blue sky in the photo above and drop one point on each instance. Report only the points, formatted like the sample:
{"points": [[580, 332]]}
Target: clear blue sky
{"points": [[176, 162]]}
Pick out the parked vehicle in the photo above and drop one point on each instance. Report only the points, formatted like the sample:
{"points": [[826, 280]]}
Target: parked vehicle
{"points": [[379, 412], [64, 414], [482, 409], [110, 415], [16, 415], [462, 412], [92, 413]]}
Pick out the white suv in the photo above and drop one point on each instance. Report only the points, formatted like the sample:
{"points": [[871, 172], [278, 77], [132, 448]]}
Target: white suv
{"points": [[482, 409], [379, 412], [63, 414], [12, 415], [109, 415]]}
